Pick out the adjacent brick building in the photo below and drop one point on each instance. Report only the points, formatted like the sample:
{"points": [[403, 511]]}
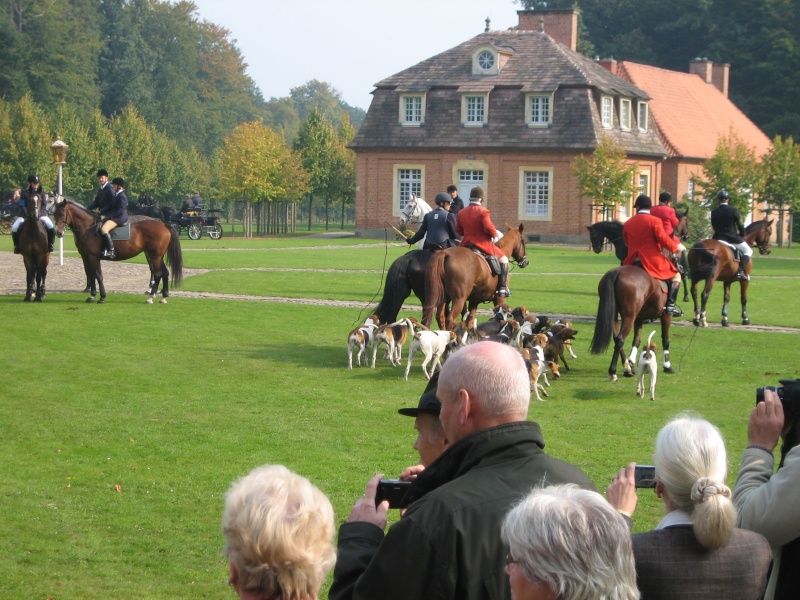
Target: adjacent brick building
{"points": [[510, 111]]}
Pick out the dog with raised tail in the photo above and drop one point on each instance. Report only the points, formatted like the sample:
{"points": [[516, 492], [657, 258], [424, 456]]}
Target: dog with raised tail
{"points": [[394, 336], [433, 345], [361, 338], [648, 362]]}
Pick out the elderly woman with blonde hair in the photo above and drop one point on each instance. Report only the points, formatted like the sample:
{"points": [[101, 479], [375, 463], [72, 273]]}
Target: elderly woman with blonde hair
{"points": [[695, 549], [278, 532], [567, 543]]}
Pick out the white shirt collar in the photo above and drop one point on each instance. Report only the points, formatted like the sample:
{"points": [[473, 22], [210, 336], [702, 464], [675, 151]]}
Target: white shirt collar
{"points": [[676, 517]]}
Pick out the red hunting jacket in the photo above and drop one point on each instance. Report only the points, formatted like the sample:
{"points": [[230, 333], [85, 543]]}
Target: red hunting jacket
{"points": [[669, 219], [475, 225], [645, 236]]}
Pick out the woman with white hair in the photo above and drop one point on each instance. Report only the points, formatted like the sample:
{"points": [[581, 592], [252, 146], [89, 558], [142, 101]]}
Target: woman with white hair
{"points": [[278, 532], [570, 544], [695, 549]]}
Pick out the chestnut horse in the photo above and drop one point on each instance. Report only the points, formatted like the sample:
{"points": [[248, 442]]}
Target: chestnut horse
{"points": [[711, 260], [154, 238], [33, 247], [462, 276], [636, 297]]}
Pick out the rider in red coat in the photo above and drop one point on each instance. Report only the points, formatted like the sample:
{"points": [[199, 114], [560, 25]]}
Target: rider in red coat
{"points": [[645, 237], [475, 225], [667, 214]]}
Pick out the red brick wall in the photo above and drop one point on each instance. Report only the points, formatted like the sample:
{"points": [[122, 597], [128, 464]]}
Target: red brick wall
{"points": [[561, 25]]}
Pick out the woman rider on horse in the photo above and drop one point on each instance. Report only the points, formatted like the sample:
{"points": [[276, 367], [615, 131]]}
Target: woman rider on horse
{"points": [[33, 189], [438, 226], [645, 237], [113, 214], [475, 225]]}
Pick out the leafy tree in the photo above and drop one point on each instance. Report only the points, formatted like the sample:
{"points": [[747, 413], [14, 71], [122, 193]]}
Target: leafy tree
{"points": [[607, 177], [256, 165], [24, 127], [734, 167], [136, 151], [781, 172], [316, 144], [318, 96]]}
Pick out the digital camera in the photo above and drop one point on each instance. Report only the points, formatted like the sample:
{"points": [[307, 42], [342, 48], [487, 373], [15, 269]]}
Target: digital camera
{"points": [[789, 393]]}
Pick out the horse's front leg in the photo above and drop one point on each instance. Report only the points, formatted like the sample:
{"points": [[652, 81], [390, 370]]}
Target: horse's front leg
{"points": [[29, 278], [666, 321], [745, 319], [725, 300]]}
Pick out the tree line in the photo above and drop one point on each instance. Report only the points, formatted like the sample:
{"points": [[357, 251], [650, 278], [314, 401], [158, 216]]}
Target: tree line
{"points": [[760, 40]]}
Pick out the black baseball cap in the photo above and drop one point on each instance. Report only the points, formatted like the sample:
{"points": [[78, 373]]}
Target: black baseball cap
{"points": [[428, 402]]}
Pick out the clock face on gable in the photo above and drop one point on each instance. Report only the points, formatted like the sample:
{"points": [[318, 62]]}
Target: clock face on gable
{"points": [[485, 60]]}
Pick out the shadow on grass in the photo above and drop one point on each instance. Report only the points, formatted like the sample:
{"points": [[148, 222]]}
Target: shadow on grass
{"points": [[594, 394]]}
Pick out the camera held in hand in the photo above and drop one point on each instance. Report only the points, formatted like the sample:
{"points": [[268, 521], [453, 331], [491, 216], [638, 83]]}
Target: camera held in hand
{"points": [[789, 393]]}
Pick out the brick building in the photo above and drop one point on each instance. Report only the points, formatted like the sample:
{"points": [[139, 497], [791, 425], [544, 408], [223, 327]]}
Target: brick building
{"points": [[510, 111]]}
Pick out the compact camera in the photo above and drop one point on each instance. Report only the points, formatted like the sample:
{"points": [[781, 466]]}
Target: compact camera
{"points": [[645, 476], [789, 393], [393, 490]]}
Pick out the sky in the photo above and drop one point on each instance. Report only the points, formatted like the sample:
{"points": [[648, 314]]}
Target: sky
{"points": [[350, 44]]}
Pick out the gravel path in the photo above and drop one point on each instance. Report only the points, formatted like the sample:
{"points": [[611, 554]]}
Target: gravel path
{"points": [[131, 278]]}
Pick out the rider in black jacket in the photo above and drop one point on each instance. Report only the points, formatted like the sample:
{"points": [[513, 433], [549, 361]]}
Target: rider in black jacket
{"points": [[438, 226], [727, 224]]}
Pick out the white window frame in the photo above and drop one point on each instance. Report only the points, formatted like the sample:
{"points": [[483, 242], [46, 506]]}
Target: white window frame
{"points": [[690, 189], [406, 178], [644, 116], [536, 184], [405, 100], [531, 100], [625, 108], [465, 109], [606, 111]]}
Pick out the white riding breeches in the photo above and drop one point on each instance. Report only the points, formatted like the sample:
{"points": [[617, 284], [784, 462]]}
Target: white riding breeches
{"points": [[744, 248], [18, 223]]}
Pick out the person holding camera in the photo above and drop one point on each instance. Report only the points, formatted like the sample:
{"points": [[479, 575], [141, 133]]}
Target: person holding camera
{"points": [[695, 550], [767, 502], [447, 545]]}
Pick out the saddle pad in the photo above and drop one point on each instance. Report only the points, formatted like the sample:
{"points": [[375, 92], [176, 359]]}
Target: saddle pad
{"points": [[121, 232], [737, 255]]}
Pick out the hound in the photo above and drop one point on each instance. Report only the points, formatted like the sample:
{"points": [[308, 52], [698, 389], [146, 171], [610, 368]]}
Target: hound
{"points": [[361, 338], [394, 336], [432, 344], [567, 343], [535, 370], [555, 343], [648, 362]]}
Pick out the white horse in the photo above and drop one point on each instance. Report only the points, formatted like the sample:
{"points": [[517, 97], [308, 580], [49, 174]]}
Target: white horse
{"points": [[415, 210]]}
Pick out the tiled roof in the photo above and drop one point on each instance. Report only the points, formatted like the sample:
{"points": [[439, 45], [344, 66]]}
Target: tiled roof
{"points": [[537, 64], [690, 114]]}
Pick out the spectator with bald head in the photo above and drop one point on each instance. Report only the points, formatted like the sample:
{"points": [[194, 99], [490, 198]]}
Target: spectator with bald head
{"points": [[447, 543]]}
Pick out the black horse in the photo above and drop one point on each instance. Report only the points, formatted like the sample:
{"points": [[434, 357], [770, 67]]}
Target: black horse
{"points": [[406, 275]]}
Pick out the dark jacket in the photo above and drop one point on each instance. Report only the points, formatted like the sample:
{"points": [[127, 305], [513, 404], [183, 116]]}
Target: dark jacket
{"points": [[439, 230], [448, 546], [671, 563], [102, 201], [117, 210], [727, 224], [456, 205], [23, 201]]}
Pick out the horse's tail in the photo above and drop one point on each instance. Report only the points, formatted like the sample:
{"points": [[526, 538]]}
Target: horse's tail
{"points": [[395, 291], [702, 262], [606, 313], [434, 287], [175, 256]]}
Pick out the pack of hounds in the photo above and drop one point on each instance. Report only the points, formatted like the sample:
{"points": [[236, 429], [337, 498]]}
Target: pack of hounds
{"points": [[541, 342]]}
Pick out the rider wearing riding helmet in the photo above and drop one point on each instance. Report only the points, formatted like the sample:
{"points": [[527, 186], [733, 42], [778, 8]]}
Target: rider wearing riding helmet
{"points": [[438, 226], [474, 224], [663, 210], [727, 224], [645, 237], [113, 214], [34, 188]]}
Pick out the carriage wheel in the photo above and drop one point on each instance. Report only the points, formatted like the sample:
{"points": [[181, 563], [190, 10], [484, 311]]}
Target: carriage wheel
{"points": [[195, 231], [215, 231]]}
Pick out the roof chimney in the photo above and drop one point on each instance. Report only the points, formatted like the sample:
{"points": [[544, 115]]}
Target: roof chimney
{"points": [[559, 24], [608, 64], [716, 75]]}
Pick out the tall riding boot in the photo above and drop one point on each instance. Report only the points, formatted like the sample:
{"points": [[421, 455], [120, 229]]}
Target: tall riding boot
{"points": [[108, 252], [670, 308], [51, 238], [15, 237], [741, 274], [502, 280]]}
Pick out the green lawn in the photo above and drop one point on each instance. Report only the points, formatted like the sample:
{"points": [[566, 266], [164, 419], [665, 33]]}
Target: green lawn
{"points": [[173, 402]]}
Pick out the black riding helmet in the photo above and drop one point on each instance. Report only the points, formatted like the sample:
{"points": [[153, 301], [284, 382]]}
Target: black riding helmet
{"points": [[722, 195]]}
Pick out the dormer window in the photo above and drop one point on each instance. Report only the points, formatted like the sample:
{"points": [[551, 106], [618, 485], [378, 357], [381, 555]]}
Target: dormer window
{"points": [[486, 60], [538, 109], [412, 110], [625, 114], [607, 111], [643, 116], [473, 109]]}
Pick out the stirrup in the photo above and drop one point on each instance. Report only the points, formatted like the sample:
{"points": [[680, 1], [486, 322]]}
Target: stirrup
{"points": [[742, 276], [673, 310]]}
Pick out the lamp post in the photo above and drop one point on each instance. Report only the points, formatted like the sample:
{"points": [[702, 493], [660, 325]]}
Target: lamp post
{"points": [[59, 151]]}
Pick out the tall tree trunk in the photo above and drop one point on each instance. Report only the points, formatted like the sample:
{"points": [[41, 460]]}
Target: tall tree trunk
{"points": [[310, 205]]}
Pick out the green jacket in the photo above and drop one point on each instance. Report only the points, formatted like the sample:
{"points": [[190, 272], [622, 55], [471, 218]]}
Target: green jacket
{"points": [[447, 546]]}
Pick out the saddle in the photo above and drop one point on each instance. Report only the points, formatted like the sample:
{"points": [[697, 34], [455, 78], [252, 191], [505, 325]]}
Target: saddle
{"points": [[121, 233], [491, 260], [737, 255]]}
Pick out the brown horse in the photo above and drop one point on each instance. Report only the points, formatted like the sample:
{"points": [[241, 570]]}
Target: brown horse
{"points": [[154, 238], [462, 276], [711, 260], [636, 297], [34, 249]]}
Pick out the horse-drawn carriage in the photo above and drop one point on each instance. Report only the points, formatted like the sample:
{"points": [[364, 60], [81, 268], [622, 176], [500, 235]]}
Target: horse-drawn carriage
{"points": [[197, 222]]}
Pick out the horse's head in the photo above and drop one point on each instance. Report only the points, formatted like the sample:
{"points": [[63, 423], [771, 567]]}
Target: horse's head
{"points": [[760, 234], [596, 237], [513, 243], [682, 230], [415, 209], [33, 207], [63, 215]]}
